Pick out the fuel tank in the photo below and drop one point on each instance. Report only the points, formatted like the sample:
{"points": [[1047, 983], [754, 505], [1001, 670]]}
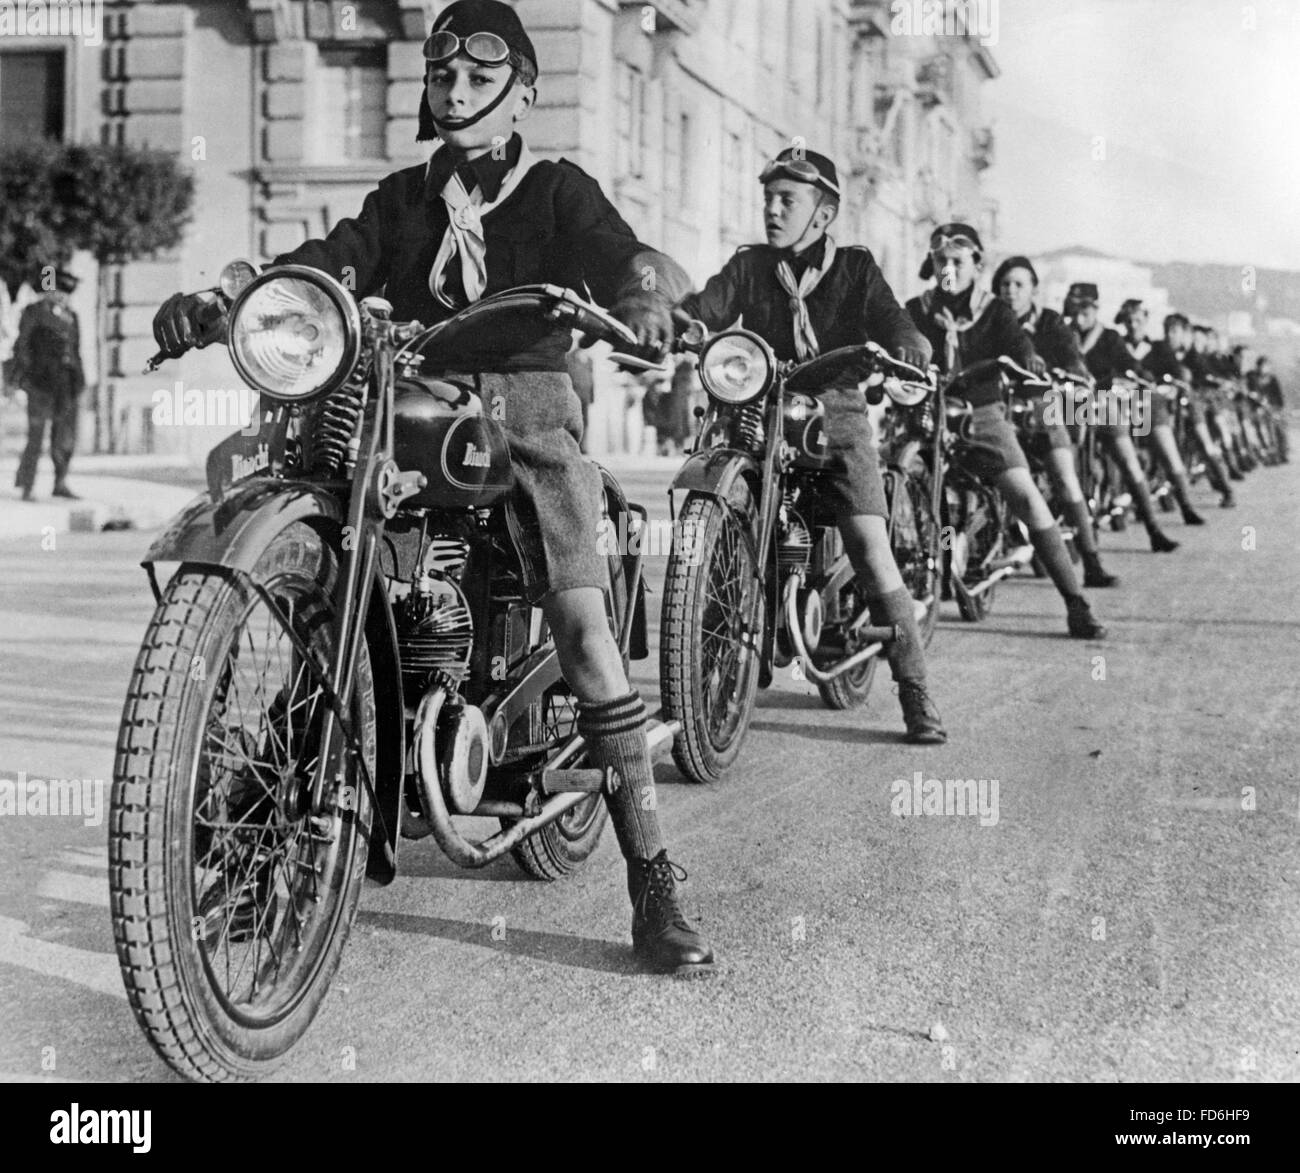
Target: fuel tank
{"points": [[440, 430], [804, 430]]}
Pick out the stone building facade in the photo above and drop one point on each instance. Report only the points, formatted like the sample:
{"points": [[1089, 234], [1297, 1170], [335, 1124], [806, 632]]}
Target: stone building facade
{"points": [[289, 111]]}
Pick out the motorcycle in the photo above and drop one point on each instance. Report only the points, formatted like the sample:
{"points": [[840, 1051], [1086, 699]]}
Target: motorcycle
{"points": [[347, 655], [1061, 397], [986, 542], [757, 577]]}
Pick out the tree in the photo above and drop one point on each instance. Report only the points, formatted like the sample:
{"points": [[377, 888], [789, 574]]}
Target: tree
{"points": [[32, 230], [121, 204]]}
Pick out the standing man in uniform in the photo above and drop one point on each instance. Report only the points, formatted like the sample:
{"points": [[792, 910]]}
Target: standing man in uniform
{"points": [[47, 365]]}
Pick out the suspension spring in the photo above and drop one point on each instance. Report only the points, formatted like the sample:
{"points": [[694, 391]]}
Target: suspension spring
{"points": [[749, 427], [336, 427]]}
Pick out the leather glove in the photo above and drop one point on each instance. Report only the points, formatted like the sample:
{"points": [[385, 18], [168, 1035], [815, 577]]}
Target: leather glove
{"points": [[188, 320], [649, 317], [1037, 365], [914, 356]]}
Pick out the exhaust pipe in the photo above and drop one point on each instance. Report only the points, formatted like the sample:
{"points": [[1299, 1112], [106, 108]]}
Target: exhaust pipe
{"points": [[879, 634], [461, 851]]}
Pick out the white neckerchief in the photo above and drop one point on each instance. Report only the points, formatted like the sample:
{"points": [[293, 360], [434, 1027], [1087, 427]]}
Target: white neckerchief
{"points": [[464, 235], [1089, 340], [953, 328], [805, 338]]}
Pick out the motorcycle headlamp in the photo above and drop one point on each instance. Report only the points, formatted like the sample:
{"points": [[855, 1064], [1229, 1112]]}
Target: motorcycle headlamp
{"points": [[736, 367], [294, 332]]}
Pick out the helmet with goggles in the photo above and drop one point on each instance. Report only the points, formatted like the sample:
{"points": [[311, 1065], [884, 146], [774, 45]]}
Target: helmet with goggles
{"points": [[803, 167]]}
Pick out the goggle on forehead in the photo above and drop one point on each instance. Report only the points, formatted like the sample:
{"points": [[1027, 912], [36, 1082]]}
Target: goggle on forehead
{"points": [[483, 48], [939, 243], [800, 169]]}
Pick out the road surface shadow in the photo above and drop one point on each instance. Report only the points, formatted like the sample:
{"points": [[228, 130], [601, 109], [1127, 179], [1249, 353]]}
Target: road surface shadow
{"points": [[560, 948], [832, 733]]}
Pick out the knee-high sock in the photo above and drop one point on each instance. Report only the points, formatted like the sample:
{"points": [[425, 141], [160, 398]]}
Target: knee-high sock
{"points": [[1051, 551], [906, 654], [615, 735], [1077, 514]]}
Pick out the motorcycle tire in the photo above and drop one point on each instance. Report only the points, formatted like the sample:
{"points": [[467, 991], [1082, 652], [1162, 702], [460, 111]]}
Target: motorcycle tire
{"points": [[917, 550], [209, 835], [707, 673], [849, 691], [561, 848]]}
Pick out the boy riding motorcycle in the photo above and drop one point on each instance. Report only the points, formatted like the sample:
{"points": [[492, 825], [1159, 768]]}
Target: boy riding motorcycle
{"points": [[482, 216], [805, 295], [965, 325], [1016, 283]]}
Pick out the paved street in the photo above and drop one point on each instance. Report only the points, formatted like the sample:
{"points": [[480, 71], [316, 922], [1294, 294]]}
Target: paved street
{"points": [[1128, 909]]}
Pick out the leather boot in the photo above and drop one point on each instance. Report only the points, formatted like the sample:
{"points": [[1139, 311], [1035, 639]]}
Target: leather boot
{"points": [[1081, 621], [1093, 573], [1160, 544], [662, 937], [924, 726]]}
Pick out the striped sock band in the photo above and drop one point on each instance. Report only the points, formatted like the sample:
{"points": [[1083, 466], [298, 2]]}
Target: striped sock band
{"points": [[615, 735]]}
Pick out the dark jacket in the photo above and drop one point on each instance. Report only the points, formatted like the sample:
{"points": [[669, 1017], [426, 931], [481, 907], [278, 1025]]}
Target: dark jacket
{"points": [[1160, 361], [995, 332], [1103, 353], [1054, 340], [852, 303], [556, 227], [47, 354]]}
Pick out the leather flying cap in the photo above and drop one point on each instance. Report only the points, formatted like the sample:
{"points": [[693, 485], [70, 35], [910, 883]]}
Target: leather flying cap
{"points": [[804, 167], [66, 281], [946, 234], [464, 19], [1082, 293], [1014, 263], [1128, 309]]}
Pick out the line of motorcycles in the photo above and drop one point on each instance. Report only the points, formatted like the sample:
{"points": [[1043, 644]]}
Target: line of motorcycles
{"points": [[343, 652]]}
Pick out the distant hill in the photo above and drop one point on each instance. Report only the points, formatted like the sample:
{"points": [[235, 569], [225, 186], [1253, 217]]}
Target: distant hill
{"points": [[1213, 291]]}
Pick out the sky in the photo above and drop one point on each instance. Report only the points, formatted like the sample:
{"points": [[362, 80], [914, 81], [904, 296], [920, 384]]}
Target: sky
{"points": [[1157, 130]]}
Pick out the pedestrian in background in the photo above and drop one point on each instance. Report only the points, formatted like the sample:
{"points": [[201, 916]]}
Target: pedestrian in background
{"points": [[47, 365]]}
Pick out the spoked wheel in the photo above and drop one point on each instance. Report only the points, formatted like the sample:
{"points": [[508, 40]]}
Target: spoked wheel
{"points": [[970, 548], [231, 897], [915, 541], [561, 848], [711, 628], [850, 689]]}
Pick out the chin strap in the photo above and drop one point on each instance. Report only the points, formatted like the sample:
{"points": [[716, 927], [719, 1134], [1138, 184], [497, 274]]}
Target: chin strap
{"points": [[492, 105]]}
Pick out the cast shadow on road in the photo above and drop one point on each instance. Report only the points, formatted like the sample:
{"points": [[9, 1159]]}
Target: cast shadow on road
{"points": [[837, 733], [560, 948], [423, 859]]}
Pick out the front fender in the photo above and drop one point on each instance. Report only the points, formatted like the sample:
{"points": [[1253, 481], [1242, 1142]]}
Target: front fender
{"points": [[714, 472], [234, 531]]}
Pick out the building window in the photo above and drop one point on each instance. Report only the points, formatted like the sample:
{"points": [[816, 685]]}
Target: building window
{"points": [[736, 192], [685, 157], [31, 96], [631, 121], [350, 109]]}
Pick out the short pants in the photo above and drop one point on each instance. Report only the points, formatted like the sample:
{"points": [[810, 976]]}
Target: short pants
{"points": [[558, 494], [852, 482], [991, 447]]}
